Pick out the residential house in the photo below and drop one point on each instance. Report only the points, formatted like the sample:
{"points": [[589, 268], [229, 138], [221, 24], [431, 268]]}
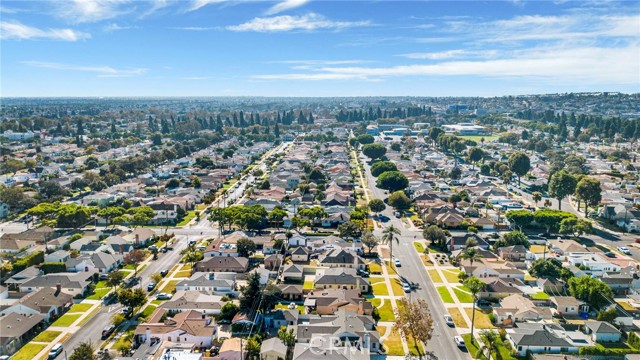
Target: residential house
{"points": [[184, 327], [139, 237], [217, 283], [300, 254], [58, 256], [291, 291], [513, 253], [498, 288], [602, 331], [342, 258], [340, 278], [593, 263], [567, 305], [273, 349], [70, 283], [17, 329], [329, 301], [547, 338], [345, 325], [223, 264], [459, 241], [14, 282], [231, 349], [325, 346], [101, 262], [49, 301], [187, 300], [273, 261], [517, 308], [281, 317]]}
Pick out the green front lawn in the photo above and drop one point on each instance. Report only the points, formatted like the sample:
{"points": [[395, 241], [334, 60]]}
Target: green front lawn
{"points": [[308, 285], [419, 247], [451, 275], [47, 336], [183, 274], [80, 308], [66, 320], [393, 344], [148, 310], [482, 320], [88, 317], [285, 306], [169, 287], [504, 353], [28, 352], [445, 295], [396, 285], [463, 297], [540, 296], [99, 294], [435, 276], [380, 289], [386, 311], [185, 220], [473, 348]]}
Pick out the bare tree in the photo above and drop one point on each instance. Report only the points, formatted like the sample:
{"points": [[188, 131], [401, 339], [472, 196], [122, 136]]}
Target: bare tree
{"points": [[413, 320]]}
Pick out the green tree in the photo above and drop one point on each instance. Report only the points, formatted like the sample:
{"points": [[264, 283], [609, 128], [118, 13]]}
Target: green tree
{"points": [[475, 154], [392, 181], [84, 351], [228, 311], [434, 234], [536, 196], [197, 183], [365, 139], [132, 297], [250, 294], [561, 185], [475, 286], [519, 164], [589, 190], [252, 346], [288, 337], [390, 234], [369, 240], [513, 238], [374, 151], [348, 230], [472, 254], [245, 247], [455, 173], [434, 133], [546, 268], [277, 215], [377, 206], [608, 315], [114, 279], [111, 212], [519, 218], [591, 290], [399, 201], [551, 218], [314, 213], [381, 167], [491, 340], [414, 321]]}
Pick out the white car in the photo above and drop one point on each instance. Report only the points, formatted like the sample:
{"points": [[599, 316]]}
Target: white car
{"points": [[459, 341], [397, 262], [406, 287], [449, 320], [624, 250], [163, 296]]}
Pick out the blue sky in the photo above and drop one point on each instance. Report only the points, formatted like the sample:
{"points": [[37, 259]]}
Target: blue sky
{"points": [[317, 48]]}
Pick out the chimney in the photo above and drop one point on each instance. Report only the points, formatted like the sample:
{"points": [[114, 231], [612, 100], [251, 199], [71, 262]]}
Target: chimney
{"points": [[360, 307], [58, 287], [148, 334], [121, 249], [137, 238]]}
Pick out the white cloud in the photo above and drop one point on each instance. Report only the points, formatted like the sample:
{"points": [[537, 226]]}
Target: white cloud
{"points": [[451, 54], [82, 11], [197, 4], [307, 22], [155, 6], [284, 6], [14, 30], [102, 71], [586, 65], [116, 27]]}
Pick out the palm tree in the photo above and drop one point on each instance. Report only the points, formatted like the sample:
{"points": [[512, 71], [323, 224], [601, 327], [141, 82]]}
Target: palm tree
{"points": [[474, 285], [472, 255], [389, 236], [491, 340], [288, 338], [536, 196], [547, 203]]}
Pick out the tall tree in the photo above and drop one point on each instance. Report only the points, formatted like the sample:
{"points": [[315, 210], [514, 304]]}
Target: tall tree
{"points": [[434, 234], [588, 190], [491, 340], [390, 235], [519, 164], [475, 154], [369, 240], [84, 351], [472, 255], [414, 321], [536, 196], [474, 285], [377, 206], [561, 185]]}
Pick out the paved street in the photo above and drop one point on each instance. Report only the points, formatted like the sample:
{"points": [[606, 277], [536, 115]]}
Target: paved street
{"points": [[412, 270]]}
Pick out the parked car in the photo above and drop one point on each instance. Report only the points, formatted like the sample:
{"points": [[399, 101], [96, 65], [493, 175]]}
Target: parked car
{"points": [[459, 341], [363, 273], [108, 330], [125, 311], [164, 272], [151, 286], [397, 262], [624, 250], [163, 296], [449, 320], [55, 351]]}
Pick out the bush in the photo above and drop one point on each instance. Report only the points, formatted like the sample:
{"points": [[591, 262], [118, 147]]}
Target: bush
{"points": [[633, 340], [31, 259], [603, 351], [375, 314], [53, 267]]}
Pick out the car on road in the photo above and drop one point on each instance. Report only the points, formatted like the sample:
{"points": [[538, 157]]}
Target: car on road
{"points": [[164, 272], [108, 330], [623, 249], [55, 351], [459, 341], [363, 273], [397, 262], [125, 311], [610, 254], [163, 296], [151, 286], [163, 249], [406, 287], [449, 320]]}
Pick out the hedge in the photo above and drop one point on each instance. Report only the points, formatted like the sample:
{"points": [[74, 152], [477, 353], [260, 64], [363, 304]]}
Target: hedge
{"points": [[601, 350], [53, 267], [633, 340], [31, 259]]}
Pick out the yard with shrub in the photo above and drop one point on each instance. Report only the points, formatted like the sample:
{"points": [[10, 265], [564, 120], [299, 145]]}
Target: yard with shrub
{"points": [[445, 295], [28, 352], [482, 320], [47, 336], [80, 308], [419, 247], [463, 295]]}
